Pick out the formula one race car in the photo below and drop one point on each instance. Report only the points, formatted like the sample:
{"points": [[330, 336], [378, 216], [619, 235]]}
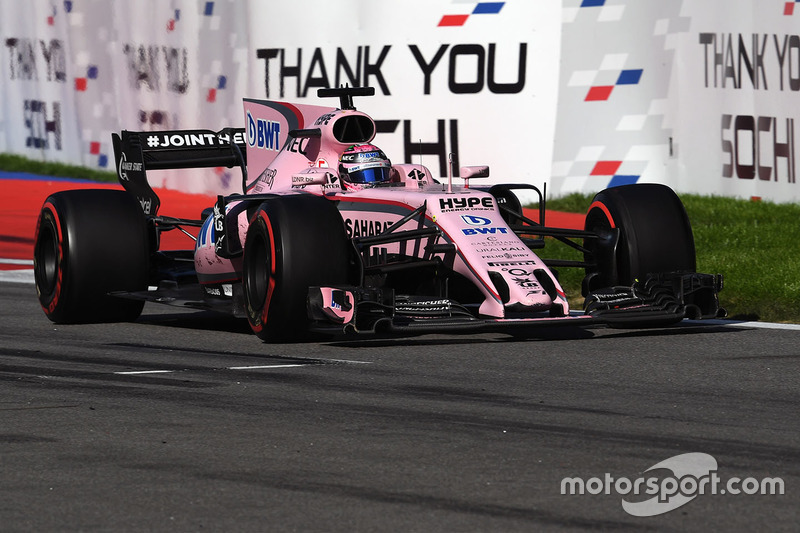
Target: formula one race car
{"points": [[329, 236]]}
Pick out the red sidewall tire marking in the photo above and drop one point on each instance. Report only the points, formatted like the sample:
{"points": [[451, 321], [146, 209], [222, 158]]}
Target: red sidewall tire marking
{"points": [[51, 209], [262, 319], [602, 207]]}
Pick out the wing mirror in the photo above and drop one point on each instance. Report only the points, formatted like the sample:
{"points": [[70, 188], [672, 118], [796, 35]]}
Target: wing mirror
{"points": [[474, 172], [312, 176]]}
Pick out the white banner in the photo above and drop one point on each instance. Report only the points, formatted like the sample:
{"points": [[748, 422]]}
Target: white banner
{"points": [[740, 81], [38, 117], [475, 79], [700, 96], [78, 70], [583, 94], [615, 108]]}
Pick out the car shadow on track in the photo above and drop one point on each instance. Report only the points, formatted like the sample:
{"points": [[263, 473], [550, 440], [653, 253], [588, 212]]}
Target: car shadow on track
{"points": [[207, 320], [378, 340], [694, 329], [212, 321], [520, 336]]}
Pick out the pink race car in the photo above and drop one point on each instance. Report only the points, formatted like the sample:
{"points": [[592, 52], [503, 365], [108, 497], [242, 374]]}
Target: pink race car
{"points": [[329, 236]]}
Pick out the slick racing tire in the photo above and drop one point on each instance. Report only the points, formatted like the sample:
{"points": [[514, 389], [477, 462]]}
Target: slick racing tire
{"points": [[508, 203], [90, 243], [655, 235], [293, 242]]}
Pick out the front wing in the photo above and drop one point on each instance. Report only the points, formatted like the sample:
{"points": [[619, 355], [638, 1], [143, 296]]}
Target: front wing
{"points": [[659, 300]]}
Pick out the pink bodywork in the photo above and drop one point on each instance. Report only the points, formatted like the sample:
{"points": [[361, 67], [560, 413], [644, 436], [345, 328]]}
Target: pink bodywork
{"points": [[468, 218]]}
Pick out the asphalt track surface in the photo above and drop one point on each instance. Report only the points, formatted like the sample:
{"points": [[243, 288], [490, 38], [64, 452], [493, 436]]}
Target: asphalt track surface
{"points": [[185, 421]]}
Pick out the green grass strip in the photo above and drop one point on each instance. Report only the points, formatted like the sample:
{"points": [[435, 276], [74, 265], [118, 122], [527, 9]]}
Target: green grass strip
{"points": [[16, 163]]}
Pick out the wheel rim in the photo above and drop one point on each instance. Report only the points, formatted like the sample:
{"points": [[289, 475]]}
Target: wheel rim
{"points": [[257, 273], [46, 255], [597, 221]]}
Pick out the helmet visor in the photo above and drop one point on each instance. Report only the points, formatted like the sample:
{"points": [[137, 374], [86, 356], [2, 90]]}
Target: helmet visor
{"points": [[371, 175]]}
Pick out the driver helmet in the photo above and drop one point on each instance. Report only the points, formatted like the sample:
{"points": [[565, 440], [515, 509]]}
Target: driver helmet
{"points": [[364, 164]]}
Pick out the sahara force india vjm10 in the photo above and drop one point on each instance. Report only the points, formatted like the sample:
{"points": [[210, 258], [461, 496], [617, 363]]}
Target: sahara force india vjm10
{"points": [[329, 236]]}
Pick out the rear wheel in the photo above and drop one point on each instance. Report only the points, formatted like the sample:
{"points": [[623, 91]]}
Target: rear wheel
{"points": [[654, 235], [90, 243], [293, 243]]}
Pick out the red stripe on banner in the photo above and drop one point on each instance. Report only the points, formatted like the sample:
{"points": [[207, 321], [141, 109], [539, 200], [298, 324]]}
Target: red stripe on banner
{"points": [[453, 20], [600, 93], [606, 168]]}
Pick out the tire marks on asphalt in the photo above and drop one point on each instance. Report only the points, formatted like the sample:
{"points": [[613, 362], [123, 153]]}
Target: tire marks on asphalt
{"points": [[18, 363]]}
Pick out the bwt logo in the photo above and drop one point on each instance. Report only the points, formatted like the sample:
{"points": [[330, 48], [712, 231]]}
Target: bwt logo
{"points": [[475, 221], [264, 134], [484, 231]]}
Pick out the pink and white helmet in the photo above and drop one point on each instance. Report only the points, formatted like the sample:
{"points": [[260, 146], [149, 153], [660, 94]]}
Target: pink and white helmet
{"points": [[364, 164]]}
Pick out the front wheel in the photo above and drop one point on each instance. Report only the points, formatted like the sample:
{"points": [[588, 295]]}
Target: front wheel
{"points": [[90, 243], [643, 229], [293, 242]]}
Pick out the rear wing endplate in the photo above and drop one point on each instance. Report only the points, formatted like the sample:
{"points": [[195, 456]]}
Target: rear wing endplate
{"points": [[136, 152]]}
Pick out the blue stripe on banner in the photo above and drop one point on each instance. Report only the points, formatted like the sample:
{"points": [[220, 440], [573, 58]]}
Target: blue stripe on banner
{"points": [[593, 3], [629, 77], [616, 181], [488, 8]]}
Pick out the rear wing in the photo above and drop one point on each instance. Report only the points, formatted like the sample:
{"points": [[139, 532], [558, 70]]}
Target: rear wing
{"points": [[136, 152]]}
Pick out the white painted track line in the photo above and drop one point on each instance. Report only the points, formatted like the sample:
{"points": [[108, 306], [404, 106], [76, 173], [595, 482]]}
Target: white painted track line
{"points": [[136, 372], [748, 324], [253, 367], [259, 367], [17, 276]]}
